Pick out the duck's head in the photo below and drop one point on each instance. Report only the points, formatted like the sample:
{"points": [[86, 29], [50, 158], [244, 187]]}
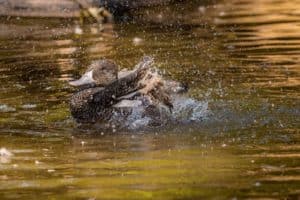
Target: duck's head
{"points": [[100, 73]]}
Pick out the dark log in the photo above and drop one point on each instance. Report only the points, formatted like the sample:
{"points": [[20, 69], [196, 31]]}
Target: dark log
{"points": [[39, 8], [67, 8]]}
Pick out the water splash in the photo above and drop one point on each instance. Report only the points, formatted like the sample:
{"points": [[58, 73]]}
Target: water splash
{"points": [[185, 110]]}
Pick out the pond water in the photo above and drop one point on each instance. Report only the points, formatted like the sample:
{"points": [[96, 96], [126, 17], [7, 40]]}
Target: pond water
{"points": [[241, 58]]}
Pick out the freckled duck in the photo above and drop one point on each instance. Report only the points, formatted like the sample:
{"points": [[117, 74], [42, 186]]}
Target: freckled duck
{"points": [[104, 89]]}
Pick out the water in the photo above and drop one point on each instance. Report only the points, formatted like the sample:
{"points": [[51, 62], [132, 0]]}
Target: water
{"points": [[239, 58]]}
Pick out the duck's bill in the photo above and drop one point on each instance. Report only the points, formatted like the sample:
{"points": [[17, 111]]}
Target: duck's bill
{"points": [[86, 79]]}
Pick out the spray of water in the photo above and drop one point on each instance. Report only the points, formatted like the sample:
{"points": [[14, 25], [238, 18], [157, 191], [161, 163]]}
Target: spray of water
{"points": [[185, 110]]}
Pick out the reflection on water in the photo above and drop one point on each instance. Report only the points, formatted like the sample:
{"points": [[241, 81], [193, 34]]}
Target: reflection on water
{"points": [[238, 57], [266, 37]]}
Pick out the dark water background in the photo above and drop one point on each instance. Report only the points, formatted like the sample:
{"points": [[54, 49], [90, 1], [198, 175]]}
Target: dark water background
{"points": [[240, 57]]}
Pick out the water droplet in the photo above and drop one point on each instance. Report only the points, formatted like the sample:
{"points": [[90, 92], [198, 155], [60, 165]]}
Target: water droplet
{"points": [[202, 9], [137, 41], [78, 30], [257, 184]]}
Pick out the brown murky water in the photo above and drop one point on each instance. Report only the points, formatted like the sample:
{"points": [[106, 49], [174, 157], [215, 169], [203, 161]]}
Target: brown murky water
{"points": [[240, 57]]}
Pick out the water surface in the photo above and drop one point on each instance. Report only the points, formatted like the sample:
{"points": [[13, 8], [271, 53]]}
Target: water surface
{"points": [[240, 57]]}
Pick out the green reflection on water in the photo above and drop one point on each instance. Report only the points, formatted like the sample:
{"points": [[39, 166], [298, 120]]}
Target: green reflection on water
{"points": [[101, 168]]}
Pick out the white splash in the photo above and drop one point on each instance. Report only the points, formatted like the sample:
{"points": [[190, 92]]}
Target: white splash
{"points": [[185, 110]]}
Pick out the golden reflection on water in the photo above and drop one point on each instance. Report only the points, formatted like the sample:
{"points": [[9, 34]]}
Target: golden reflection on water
{"points": [[109, 167], [265, 32]]}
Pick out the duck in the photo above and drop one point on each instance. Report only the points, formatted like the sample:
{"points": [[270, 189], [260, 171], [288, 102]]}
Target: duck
{"points": [[102, 89]]}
